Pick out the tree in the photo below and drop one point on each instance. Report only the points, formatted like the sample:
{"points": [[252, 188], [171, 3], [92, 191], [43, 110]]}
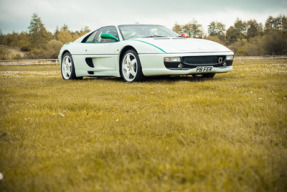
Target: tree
{"points": [[23, 43], [216, 29], [83, 31], [276, 23], [65, 28], [231, 35], [269, 24], [2, 37], [284, 23], [212, 31], [240, 28], [243, 30], [56, 32], [177, 28], [275, 38], [253, 29], [216, 39], [64, 35], [193, 29], [86, 29], [38, 33], [275, 43]]}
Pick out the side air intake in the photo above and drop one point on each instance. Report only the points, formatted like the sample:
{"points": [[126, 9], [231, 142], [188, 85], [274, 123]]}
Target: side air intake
{"points": [[89, 62]]}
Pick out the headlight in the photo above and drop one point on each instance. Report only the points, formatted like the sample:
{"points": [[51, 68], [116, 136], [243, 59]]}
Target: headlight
{"points": [[229, 57], [172, 59]]}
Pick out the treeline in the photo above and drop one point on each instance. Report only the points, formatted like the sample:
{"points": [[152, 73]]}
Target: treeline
{"points": [[245, 38], [38, 42]]}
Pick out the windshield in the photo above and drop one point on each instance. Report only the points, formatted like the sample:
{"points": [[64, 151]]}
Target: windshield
{"points": [[145, 31]]}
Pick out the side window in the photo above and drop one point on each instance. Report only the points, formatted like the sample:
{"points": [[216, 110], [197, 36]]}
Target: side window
{"points": [[90, 38], [111, 30]]}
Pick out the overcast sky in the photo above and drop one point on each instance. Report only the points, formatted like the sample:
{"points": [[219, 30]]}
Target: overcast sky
{"points": [[15, 15]]}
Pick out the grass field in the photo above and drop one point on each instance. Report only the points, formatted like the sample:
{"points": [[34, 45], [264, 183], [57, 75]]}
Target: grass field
{"points": [[163, 134]]}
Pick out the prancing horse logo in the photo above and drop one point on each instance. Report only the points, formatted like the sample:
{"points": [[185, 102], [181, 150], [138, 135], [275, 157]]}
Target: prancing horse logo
{"points": [[220, 60]]}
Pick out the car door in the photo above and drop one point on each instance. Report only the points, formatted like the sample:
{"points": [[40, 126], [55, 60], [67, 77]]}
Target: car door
{"points": [[98, 56]]}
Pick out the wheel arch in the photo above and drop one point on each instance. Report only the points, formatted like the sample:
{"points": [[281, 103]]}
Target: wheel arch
{"points": [[138, 76], [64, 52], [123, 51]]}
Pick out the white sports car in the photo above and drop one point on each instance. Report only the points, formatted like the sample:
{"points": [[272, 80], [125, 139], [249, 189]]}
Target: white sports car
{"points": [[135, 51]]}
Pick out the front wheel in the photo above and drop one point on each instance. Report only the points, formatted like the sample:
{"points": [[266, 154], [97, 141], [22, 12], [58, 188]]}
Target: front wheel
{"points": [[67, 68], [131, 69]]}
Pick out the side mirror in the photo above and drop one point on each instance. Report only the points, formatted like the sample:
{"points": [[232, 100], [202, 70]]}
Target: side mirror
{"points": [[109, 36], [184, 35]]}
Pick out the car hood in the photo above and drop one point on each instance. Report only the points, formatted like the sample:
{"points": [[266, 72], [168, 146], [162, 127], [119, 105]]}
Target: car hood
{"points": [[184, 45]]}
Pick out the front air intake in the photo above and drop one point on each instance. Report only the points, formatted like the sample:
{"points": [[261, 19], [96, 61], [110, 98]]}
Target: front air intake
{"points": [[203, 60], [191, 62]]}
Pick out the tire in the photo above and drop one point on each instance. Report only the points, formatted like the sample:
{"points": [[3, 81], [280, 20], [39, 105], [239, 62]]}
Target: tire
{"points": [[67, 67], [130, 69]]}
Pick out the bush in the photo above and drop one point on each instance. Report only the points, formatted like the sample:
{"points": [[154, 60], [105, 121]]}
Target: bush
{"points": [[275, 43], [54, 47], [3, 54]]}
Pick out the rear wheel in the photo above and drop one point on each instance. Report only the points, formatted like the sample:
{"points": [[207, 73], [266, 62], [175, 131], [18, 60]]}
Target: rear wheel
{"points": [[131, 69], [67, 68]]}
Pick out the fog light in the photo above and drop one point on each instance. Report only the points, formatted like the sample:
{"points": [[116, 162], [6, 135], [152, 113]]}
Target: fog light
{"points": [[229, 57], [172, 59]]}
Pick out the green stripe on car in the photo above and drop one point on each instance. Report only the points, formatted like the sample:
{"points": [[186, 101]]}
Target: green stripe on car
{"points": [[149, 44]]}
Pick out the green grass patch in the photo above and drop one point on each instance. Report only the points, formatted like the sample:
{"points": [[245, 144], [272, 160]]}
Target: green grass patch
{"points": [[163, 134]]}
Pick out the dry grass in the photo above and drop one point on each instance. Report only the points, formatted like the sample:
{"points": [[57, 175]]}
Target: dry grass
{"points": [[164, 134]]}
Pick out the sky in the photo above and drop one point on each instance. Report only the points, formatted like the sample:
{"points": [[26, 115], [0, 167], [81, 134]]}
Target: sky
{"points": [[15, 15]]}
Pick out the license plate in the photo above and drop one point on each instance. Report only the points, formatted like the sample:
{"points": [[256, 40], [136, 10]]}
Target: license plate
{"points": [[203, 69]]}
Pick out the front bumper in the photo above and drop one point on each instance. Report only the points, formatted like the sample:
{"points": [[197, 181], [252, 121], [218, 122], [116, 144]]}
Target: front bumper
{"points": [[153, 64]]}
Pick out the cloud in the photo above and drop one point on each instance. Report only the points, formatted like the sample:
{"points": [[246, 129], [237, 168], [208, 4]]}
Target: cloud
{"points": [[15, 15]]}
